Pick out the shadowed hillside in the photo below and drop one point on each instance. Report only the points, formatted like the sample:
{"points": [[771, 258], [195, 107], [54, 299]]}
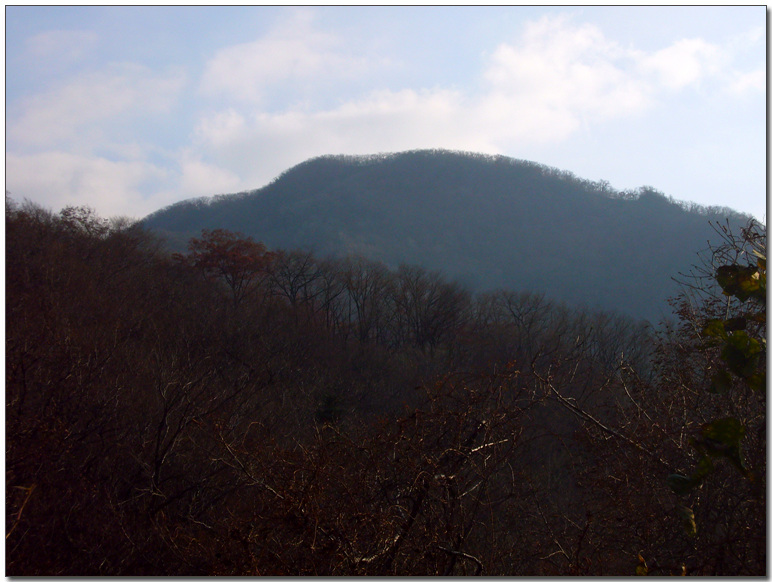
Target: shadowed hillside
{"points": [[235, 410], [487, 221]]}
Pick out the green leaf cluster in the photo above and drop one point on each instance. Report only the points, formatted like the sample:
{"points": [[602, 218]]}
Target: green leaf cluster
{"points": [[744, 282], [745, 357], [743, 354]]}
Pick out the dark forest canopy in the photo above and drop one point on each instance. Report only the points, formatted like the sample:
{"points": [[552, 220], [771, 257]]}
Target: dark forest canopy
{"points": [[487, 221], [241, 409]]}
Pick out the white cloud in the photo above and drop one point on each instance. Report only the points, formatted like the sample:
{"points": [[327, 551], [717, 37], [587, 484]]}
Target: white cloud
{"points": [[293, 51], [743, 83], [58, 48], [685, 62], [542, 89], [199, 178], [58, 179], [74, 113], [220, 128], [559, 76]]}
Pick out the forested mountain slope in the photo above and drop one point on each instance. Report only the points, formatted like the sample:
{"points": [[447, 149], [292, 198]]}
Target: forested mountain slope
{"points": [[487, 221], [238, 411]]}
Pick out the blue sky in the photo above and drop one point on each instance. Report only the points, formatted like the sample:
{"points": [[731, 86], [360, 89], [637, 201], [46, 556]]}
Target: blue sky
{"points": [[129, 109]]}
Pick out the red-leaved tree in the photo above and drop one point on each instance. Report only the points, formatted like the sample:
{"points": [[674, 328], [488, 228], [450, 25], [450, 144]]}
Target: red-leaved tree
{"points": [[236, 259]]}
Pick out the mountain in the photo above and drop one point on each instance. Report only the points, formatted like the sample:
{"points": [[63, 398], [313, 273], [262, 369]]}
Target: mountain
{"points": [[487, 221]]}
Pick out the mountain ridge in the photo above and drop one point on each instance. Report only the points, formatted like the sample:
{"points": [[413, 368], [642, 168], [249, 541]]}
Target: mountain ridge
{"points": [[488, 221]]}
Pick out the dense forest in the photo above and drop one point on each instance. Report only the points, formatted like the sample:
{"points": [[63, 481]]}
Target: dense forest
{"points": [[242, 408], [487, 221]]}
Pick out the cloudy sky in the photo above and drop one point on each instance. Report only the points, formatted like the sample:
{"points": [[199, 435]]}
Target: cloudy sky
{"points": [[130, 109]]}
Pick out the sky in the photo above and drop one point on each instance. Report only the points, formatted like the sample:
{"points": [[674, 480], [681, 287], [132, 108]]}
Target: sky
{"points": [[130, 109]]}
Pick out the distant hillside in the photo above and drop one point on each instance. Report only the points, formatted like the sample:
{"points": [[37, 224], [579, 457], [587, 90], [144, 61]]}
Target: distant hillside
{"points": [[487, 221]]}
